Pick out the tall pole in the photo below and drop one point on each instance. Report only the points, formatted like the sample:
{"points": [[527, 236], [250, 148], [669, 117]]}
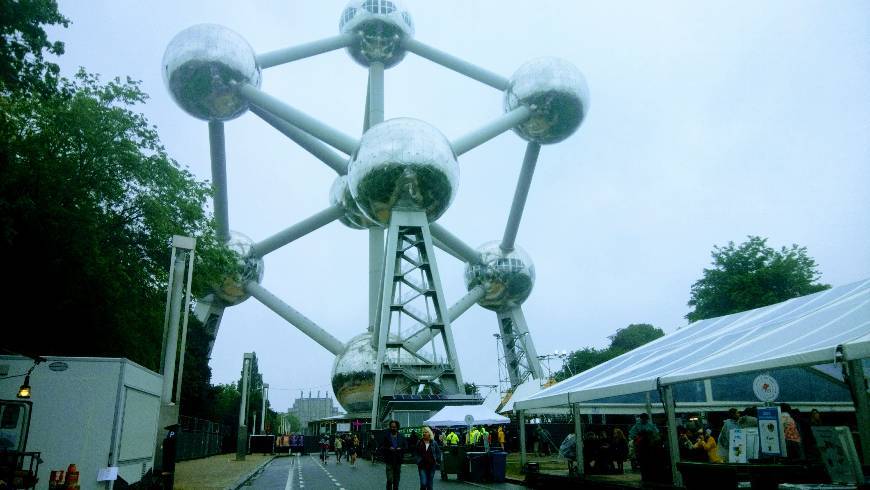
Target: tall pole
{"points": [[242, 439], [858, 387], [263, 412], [176, 303], [673, 443]]}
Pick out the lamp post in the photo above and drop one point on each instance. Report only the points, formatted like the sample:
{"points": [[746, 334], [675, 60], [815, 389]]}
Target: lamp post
{"points": [[242, 439]]}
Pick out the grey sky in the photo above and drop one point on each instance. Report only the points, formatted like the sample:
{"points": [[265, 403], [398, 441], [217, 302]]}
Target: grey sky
{"points": [[709, 121]]}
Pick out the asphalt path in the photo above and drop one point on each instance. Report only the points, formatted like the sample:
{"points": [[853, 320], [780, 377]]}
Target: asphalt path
{"points": [[308, 473]]}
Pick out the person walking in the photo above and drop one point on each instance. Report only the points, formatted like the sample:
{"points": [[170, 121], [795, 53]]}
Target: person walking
{"points": [[339, 446], [353, 449], [324, 448], [501, 437], [428, 457], [392, 449]]}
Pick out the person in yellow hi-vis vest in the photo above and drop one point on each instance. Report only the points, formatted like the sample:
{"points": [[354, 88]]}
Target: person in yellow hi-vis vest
{"points": [[473, 436], [452, 439]]}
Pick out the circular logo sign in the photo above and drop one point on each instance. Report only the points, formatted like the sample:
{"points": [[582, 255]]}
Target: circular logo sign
{"points": [[469, 420], [765, 387]]}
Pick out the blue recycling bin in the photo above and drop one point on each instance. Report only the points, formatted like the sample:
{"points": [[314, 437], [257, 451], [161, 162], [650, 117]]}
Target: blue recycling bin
{"points": [[497, 466]]}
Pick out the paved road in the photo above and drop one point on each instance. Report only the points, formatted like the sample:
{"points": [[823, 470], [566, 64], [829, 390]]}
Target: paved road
{"points": [[307, 473]]}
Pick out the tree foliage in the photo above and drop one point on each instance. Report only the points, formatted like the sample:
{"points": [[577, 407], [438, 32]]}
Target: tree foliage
{"points": [[89, 201], [22, 42], [752, 275], [624, 340]]}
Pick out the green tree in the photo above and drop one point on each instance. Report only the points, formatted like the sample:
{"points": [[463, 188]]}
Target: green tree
{"points": [[634, 336], [472, 389], [752, 275], [89, 200], [22, 42], [624, 340]]}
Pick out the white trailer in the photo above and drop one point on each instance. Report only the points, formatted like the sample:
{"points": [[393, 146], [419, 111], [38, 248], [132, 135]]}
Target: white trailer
{"points": [[94, 412]]}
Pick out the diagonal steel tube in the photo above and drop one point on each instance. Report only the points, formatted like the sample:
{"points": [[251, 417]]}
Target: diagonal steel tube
{"points": [[329, 135], [298, 320], [522, 192], [456, 64], [293, 53], [453, 243], [217, 146], [298, 230], [309, 143], [492, 129]]}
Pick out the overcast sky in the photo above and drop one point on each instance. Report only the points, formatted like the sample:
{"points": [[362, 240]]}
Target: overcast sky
{"points": [[709, 121]]}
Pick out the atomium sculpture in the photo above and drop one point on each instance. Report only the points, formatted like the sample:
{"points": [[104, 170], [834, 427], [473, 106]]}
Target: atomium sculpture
{"points": [[395, 182]]}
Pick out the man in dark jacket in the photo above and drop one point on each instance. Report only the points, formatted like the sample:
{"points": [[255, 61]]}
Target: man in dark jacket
{"points": [[392, 450]]}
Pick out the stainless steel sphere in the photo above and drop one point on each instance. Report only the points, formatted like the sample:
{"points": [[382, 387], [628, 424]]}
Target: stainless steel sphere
{"points": [[248, 267], [507, 276], [339, 195], [403, 163], [557, 93], [353, 374], [379, 26], [200, 67]]}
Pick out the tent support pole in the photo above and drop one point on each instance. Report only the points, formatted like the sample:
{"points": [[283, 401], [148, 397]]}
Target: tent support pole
{"points": [[673, 443], [858, 387], [522, 441], [578, 440]]}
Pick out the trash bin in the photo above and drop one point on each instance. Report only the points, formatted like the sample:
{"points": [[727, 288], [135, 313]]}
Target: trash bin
{"points": [[478, 466], [498, 465], [450, 462]]}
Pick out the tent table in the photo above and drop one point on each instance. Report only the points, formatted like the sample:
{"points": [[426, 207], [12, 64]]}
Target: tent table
{"points": [[720, 476]]}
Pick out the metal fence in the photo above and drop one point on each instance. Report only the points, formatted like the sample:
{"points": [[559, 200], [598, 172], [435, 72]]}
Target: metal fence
{"points": [[198, 438]]}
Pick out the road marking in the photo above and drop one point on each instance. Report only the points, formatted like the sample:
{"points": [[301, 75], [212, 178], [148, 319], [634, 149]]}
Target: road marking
{"points": [[289, 485]]}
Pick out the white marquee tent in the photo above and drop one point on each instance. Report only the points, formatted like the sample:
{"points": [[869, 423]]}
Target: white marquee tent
{"points": [[816, 329], [455, 415], [829, 327]]}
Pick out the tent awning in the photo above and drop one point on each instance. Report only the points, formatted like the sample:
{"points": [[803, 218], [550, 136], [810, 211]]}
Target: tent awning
{"points": [[455, 415], [799, 332]]}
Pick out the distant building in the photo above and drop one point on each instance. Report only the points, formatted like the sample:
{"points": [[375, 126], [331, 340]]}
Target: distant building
{"points": [[312, 408]]}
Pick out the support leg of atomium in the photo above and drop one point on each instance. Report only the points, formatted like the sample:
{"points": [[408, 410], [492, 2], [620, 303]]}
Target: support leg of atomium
{"points": [[519, 349], [409, 255]]}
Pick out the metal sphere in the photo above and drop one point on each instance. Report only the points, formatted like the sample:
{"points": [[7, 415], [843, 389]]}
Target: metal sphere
{"points": [[353, 374], [556, 92], [404, 163], [202, 64], [380, 27], [248, 267], [339, 195], [507, 276]]}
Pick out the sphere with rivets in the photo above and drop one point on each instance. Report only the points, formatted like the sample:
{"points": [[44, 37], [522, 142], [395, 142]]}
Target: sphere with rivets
{"points": [[201, 66], [339, 195], [557, 94], [507, 276], [379, 27], [247, 267], [403, 163]]}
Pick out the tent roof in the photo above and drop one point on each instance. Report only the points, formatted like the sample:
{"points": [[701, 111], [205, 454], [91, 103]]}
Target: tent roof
{"points": [[524, 390], [799, 332], [455, 415]]}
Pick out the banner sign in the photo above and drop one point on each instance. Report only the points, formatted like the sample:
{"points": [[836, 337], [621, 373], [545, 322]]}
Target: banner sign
{"points": [[770, 432]]}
